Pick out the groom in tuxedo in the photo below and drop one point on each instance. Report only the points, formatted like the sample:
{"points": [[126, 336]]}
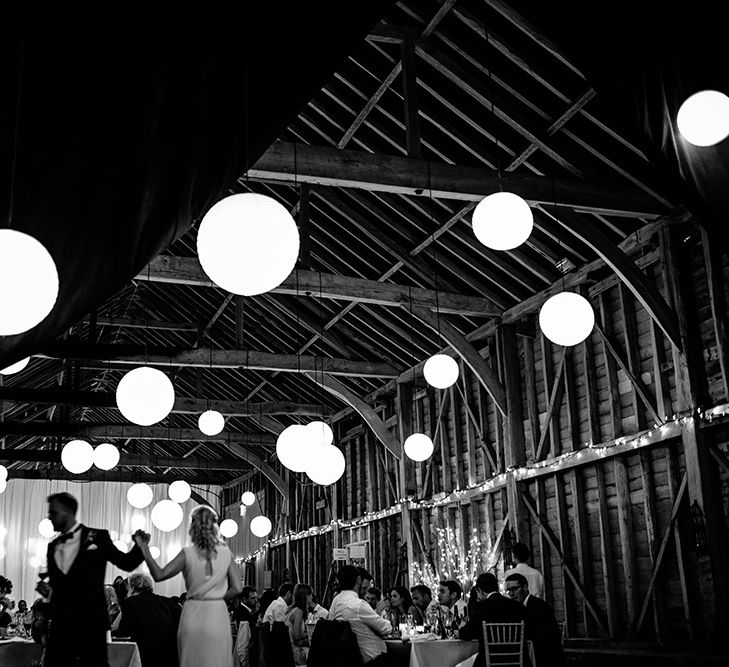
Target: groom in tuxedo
{"points": [[76, 569]]}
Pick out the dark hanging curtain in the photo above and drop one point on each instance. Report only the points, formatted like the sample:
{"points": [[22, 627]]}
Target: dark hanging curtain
{"points": [[124, 122]]}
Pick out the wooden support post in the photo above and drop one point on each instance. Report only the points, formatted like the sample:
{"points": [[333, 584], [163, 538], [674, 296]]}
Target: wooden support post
{"points": [[625, 525], [717, 301], [530, 381], [611, 371], [406, 467], [564, 527]]}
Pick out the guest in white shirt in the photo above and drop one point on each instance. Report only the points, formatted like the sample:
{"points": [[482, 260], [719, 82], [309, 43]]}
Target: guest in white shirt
{"points": [[277, 609], [522, 555], [449, 598], [368, 627]]}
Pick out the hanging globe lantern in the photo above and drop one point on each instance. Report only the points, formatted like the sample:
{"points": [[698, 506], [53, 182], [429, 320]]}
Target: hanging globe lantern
{"points": [[179, 491], [166, 515], [139, 521], [295, 446], [418, 447], [35, 562], [248, 244], [77, 456], [703, 119], [15, 368], [566, 318], [3, 472], [145, 396], [3, 485], [46, 529], [327, 466], [248, 498], [28, 282], [228, 528], [154, 552], [106, 456], [261, 526], [441, 371], [140, 495], [211, 422], [502, 221], [321, 432]]}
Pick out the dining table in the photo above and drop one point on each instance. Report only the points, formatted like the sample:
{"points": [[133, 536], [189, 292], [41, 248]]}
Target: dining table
{"points": [[20, 652], [417, 652]]}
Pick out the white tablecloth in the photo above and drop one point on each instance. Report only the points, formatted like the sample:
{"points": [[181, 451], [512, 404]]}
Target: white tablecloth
{"points": [[20, 652], [435, 653]]}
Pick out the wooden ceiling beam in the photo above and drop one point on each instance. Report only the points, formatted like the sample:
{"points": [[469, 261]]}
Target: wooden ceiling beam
{"points": [[129, 323], [115, 475]]}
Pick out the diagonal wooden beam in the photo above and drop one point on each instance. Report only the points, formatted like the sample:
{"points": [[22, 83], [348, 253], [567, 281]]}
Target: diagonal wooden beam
{"points": [[555, 398]]}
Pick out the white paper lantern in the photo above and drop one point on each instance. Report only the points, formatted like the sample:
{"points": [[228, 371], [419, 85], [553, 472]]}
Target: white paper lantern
{"points": [[418, 447], [3, 485], [179, 491], [154, 552], [441, 371], [145, 396], [248, 498], [566, 318], [140, 495], [121, 545], [261, 526], [248, 244], [139, 521], [502, 221], [326, 466], [322, 432], [106, 456], [3, 472], [16, 367], [211, 422], [77, 456], [228, 528], [35, 562], [166, 515], [703, 119], [28, 282], [46, 529], [295, 446]]}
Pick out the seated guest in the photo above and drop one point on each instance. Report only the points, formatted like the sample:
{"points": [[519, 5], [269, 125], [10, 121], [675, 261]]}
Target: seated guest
{"points": [[366, 579], [120, 588], [267, 597], [368, 627], [23, 617], [316, 611], [151, 621], [5, 617], [522, 555], [247, 609], [112, 606], [401, 605], [296, 622], [449, 598], [541, 627], [277, 609], [422, 601], [492, 607], [373, 597]]}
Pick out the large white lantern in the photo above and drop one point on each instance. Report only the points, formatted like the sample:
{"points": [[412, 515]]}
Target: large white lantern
{"points": [[228, 528], [140, 495], [703, 119], [179, 491], [248, 498], [502, 221], [441, 371], [418, 446], [566, 318], [295, 446], [145, 396], [326, 466], [3, 472], [248, 244], [28, 282], [77, 456], [106, 456], [261, 526], [139, 521], [211, 422], [166, 515], [15, 368], [45, 528]]}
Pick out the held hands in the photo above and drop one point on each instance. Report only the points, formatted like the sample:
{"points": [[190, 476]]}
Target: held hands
{"points": [[141, 539]]}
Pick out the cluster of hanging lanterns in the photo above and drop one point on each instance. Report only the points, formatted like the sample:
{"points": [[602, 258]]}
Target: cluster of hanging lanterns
{"points": [[77, 456], [166, 514], [310, 449]]}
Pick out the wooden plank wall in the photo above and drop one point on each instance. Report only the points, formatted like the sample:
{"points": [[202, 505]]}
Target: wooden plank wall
{"points": [[596, 528]]}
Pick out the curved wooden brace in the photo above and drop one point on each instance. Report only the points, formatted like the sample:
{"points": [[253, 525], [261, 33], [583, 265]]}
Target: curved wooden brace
{"points": [[257, 462], [336, 388], [467, 352]]}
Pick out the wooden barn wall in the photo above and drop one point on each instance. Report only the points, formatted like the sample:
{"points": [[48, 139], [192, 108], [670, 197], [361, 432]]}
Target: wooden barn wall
{"points": [[624, 554]]}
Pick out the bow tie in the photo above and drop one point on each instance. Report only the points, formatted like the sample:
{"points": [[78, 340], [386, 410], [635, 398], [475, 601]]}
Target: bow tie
{"points": [[66, 536]]}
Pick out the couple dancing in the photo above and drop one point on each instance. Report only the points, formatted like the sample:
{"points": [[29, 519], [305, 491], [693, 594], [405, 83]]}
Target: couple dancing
{"points": [[76, 571]]}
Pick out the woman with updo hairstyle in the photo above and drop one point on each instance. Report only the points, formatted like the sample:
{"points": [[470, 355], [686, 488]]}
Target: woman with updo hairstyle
{"points": [[212, 577]]}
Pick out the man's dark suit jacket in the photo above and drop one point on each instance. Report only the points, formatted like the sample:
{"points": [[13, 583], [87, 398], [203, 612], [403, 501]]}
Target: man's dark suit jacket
{"points": [[241, 613], [152, 621], [494, 609], [544, 633]]}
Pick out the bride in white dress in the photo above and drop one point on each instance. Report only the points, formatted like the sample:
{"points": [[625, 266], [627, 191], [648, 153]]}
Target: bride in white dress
{"points": [[212, 577]]}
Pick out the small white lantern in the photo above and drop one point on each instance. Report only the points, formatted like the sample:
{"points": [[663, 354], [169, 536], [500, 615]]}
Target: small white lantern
{"points": [[248, 498], [228, 528], [211, 422], [502, 221], [145, 396], [140, 495], [703, 119], [139, 521], [3, 472], [566, 318], [106, 456], [154, 552], [45, 528], [16, 367], [179, 491], [248, 244], [326, 466], [418, 446], [77, 456], [166, 515], [295, 446], [441, 371], [261, 526], [28, 282]]}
